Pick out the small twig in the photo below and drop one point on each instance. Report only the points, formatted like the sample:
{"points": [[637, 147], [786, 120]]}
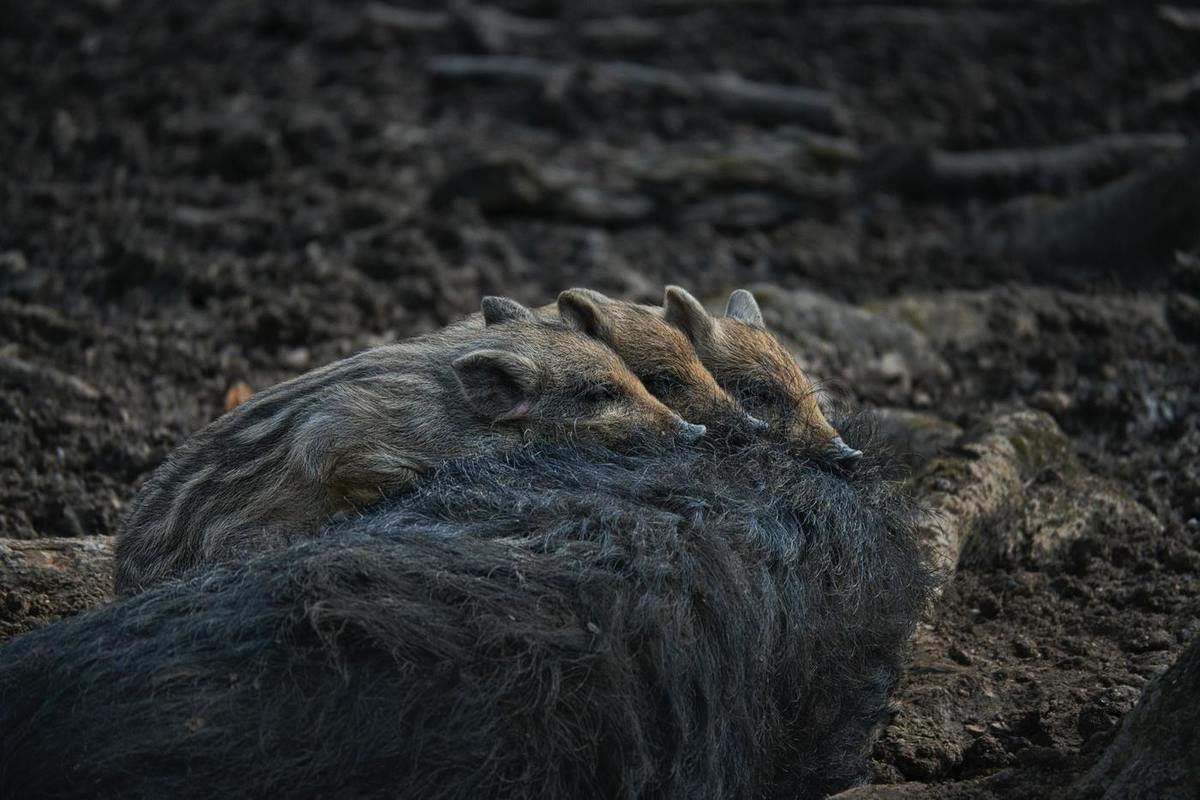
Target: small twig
{"points": [[407, 20], [43, 378], [620, 31], [517, 69], [493, 29]]}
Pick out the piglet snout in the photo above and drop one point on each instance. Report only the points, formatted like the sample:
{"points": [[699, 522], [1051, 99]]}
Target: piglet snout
{"points": [[843, 452], [688, 433]]}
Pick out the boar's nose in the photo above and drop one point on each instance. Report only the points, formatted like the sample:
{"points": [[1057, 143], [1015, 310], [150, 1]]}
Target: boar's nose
{"points": [[687, 432], [757, 425], [840, 451]]}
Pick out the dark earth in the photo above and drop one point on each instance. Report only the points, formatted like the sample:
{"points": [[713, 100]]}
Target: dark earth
{"points": [[194, 195]]}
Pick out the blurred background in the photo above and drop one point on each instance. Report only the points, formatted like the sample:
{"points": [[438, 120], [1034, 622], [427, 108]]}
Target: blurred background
{"points": [[945, 208]]}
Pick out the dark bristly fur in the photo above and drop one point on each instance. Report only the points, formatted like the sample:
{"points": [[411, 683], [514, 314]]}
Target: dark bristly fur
{"points": [[556, 621]]}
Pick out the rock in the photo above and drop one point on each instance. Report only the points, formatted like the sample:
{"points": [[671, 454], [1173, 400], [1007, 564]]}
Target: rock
{"points": [[45, 579], [1104, 709], [1024, 647], [296, 358], [1156, 752], [960, 656], [879, 357], [985, 753], [943, 318], [1052, 402]]}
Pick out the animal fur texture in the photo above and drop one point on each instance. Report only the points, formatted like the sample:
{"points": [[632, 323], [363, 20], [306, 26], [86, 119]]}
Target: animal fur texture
{"points": [[559, 620], [342, 436], [754, 367], [657, 352]]}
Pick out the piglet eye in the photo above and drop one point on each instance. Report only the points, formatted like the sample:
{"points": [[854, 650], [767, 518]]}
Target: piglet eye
{"points": [[661, 384], [597, 393]]}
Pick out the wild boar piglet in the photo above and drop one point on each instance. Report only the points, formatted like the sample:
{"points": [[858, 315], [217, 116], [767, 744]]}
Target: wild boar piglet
{"points": [[342, 436], [748, 361], [659, 354]]}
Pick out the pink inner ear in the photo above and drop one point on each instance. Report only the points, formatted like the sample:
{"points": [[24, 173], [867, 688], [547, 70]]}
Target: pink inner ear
{"points": [[517, 411]]}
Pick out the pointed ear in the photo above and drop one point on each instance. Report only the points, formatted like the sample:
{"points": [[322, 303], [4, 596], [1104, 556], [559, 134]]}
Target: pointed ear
{"points": [[580, 309], [497, 384], [592, 293], [686, 313], [503, 309], [743, 307]]}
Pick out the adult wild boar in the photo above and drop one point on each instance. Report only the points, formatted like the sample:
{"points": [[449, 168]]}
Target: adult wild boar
{"points": [[559, 621], [342, 436]]}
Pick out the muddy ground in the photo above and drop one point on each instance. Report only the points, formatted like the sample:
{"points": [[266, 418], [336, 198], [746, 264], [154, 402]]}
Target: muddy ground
{"points": [[193, 195]]}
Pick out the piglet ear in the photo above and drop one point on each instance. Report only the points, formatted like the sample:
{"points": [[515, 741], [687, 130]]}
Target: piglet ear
{"points": [[743, 307], [591, 293], [686, 313], [498, 385], [503, 309], [583, 310]]}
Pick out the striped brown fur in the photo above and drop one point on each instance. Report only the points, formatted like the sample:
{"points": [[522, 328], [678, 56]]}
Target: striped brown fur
{"points": [[658, 353], [339, 437], [748, 361]]}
